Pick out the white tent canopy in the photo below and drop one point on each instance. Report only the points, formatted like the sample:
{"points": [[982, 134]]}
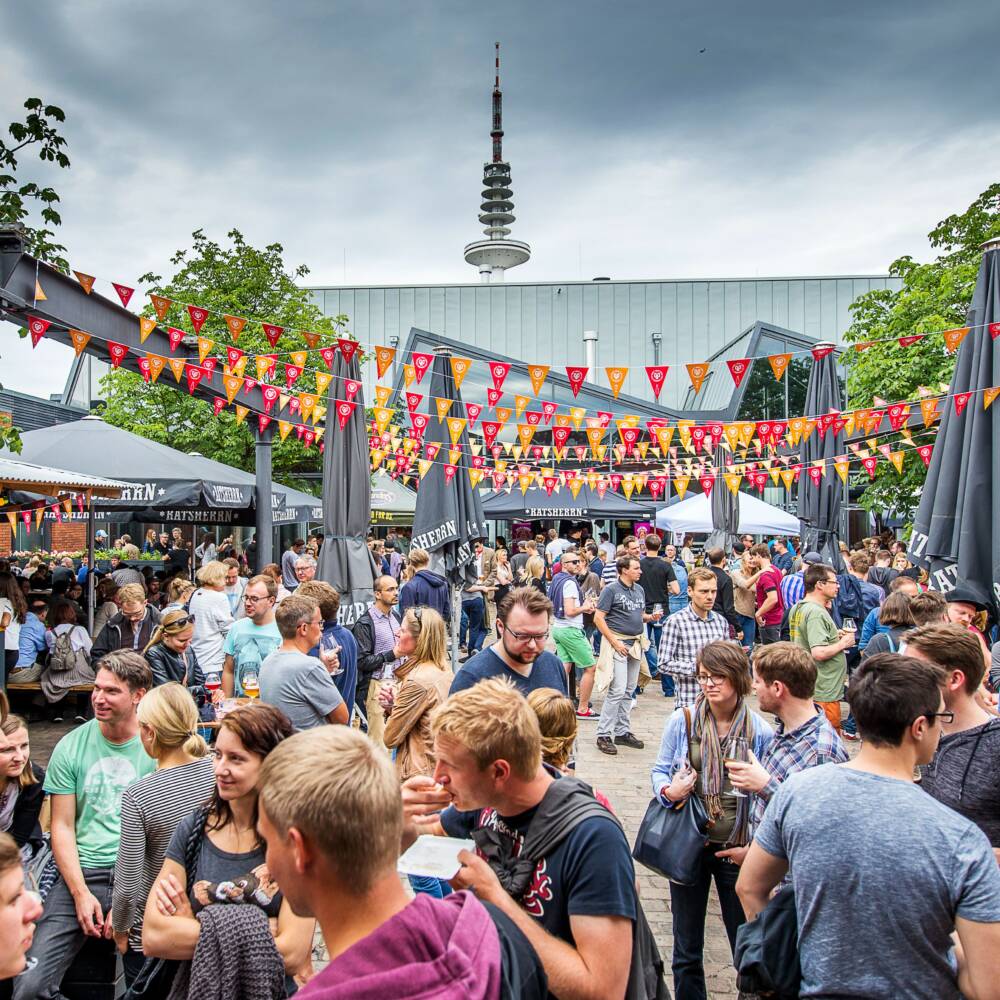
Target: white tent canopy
{"points": [[694, 515]]}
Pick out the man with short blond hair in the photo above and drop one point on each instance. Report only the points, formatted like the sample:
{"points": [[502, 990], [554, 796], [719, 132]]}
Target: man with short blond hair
{"points": [[577, 904], [331, 816], [132, 627]]}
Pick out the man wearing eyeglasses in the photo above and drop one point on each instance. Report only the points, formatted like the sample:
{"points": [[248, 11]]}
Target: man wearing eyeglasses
{"points": [[252, 638], [131, 628], [292, 680], [811, 626], [913, 870], [519, 654]]}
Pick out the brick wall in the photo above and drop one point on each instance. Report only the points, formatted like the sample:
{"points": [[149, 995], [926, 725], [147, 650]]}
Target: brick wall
{"points": [[68, 537], [5, 546]]}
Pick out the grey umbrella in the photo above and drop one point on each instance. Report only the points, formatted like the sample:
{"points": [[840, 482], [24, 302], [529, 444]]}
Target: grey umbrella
{"points": [[449, 514], [345, 561], [956, 531], [819, 506], [725, 510]]}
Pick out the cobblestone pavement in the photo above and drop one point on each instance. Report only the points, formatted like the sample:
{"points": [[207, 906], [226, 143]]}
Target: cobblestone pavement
{"points": [[625, 781]]}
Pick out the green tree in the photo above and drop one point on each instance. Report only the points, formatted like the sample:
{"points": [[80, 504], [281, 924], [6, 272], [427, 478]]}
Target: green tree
{"points": [[37, 133], [934, 296], [240, 280]]}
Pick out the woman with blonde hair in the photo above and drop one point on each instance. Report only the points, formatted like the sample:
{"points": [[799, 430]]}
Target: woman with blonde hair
{"points": [[169, 653], [211, 616], [534, 573], [424, 679], [557, 722], [153, 807], [179, 592]]}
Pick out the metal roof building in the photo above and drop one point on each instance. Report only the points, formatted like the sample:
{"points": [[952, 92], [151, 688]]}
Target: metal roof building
{"points": [[636, 323]]}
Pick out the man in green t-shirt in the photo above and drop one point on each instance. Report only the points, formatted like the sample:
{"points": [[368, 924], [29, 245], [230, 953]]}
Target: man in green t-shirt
{"points": [[89, 769], [253, 639], [812, 628]]}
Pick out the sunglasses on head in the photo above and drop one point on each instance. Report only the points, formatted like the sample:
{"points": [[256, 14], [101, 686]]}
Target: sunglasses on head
{"points": [[182, 622]]}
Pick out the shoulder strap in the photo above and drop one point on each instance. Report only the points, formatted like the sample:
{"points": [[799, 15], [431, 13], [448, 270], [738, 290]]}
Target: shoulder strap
{"points": [[687, 727], [892, 642], [192, 849]]}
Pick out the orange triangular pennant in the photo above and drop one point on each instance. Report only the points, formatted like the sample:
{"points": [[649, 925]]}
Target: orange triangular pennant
{"points": [[616, 379], [86, 281], [177, 367], [80, 341], [459, 369], [156, 365], [537, 374], [146, 327], [383, 359], [697, 372], [779, 364], [204, 346], [232, 384]]}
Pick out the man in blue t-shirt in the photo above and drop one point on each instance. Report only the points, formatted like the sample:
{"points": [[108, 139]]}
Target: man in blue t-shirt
{"points": [[581, 892], [523, 625], [913, 870]]}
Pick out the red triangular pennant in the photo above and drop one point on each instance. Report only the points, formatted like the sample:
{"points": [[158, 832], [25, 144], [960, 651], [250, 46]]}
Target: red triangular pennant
{"points": [[272, 332], [576, 375], [738, 367], [124, 292], [198, 317], [36, 328], [961, 400], [657, 375], [347, 348]]}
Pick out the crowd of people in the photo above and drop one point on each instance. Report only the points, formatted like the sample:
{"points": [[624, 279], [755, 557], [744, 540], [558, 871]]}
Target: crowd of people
{"points": [[246, 768]]}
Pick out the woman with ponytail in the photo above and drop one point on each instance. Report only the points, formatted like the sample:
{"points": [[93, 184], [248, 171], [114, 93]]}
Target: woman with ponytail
{"points": [[153, 807], [169, 653], [696, 743]]}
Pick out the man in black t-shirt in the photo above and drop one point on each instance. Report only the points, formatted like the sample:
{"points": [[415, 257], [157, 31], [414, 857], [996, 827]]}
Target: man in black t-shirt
{"points": [[490, 777], [659, 582]]}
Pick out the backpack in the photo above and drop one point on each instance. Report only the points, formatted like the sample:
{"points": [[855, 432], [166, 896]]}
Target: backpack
{"points": [[63, 657], [567, 803], [851, 601]]}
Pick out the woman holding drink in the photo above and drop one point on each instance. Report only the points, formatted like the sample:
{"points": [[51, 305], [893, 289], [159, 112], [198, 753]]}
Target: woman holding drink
{"points": [[696, 744]]}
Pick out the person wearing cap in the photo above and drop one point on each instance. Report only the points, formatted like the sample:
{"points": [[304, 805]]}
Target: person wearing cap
{"points": [[964, 607], [793, 587]]}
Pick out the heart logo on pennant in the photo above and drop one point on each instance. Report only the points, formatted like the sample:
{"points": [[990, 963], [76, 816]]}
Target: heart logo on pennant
{"points": [[493, 396], [235, 325], [347, 348], [821, 351], [37, 328], [161, 305], [924, 451], [576, 376], [351, 388], [344, 411], [198, 317], [118, 353], [272, 332], [738, 367], [124, 292], [383, 359], [193, 374], [144, 368], [498, 372], [327, 354], [473, 410], [548, 411], [421, 362], [657, 375], [175, 336]]}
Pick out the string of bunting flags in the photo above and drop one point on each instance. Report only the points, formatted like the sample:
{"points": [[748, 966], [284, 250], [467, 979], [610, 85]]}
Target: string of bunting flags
{"points": [[37, 511], [420, 362]]}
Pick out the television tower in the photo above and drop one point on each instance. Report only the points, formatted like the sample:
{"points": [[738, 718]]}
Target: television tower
{"points": [[496, 253]]}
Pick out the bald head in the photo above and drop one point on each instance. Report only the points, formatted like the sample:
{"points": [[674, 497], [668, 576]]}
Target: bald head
{"points": [[386, 590]]}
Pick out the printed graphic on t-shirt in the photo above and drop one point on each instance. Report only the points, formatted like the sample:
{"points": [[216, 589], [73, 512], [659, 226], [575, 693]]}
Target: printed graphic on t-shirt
{"points": [[104, 783], [540, 891]]}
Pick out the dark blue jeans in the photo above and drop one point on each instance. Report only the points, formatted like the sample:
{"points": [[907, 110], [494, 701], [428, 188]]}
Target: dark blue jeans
{"points": [[688, 906], [476, 611], [654, 630], [749, 626]]}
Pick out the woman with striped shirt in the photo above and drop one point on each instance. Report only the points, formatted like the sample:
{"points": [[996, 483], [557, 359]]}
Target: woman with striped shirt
{"points": [[152, 807]]}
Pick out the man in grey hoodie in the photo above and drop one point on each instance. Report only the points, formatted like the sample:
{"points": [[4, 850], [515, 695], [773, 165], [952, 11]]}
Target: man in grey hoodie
{"points": [[332, 817]]}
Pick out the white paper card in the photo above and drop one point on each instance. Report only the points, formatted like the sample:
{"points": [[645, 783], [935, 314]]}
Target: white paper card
{"points": [[434, 857]]}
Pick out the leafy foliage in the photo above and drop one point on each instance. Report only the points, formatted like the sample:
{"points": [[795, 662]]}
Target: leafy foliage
{"points": [[243, 281], [933, 297], [17, 196]]}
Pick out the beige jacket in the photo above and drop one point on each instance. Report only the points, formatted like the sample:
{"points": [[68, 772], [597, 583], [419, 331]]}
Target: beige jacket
{"points": [[408, 729]]}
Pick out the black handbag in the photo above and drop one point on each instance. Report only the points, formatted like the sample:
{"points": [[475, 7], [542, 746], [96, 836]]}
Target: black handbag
{"points": [[156, 977], [671, 837], [766, 955]]}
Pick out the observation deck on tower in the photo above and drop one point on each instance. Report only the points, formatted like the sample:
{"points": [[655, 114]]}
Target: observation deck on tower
{"points": [[493, 255]]}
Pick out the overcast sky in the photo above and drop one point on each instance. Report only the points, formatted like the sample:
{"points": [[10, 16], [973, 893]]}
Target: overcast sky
{"points": [[806, 138]]}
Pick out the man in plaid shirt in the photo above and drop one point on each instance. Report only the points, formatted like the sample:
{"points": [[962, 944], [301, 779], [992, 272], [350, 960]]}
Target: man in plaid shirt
{"points": [[793, 586], [784, 676], [686, 632]]}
